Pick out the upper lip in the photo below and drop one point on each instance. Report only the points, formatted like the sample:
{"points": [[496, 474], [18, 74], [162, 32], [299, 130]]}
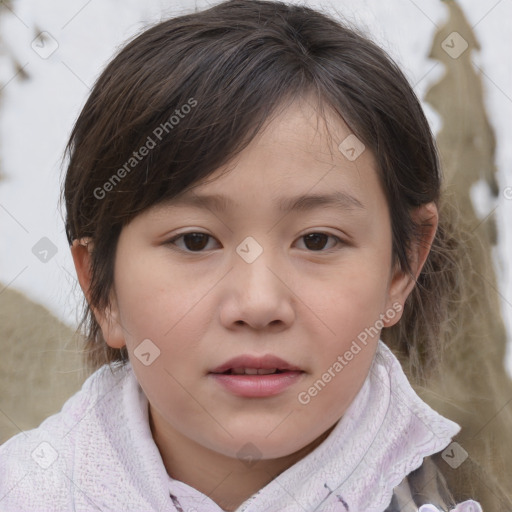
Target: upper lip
{"points": [[266, 362]]}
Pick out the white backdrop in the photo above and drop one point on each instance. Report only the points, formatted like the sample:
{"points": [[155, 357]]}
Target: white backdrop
{"points": [[37, 114]]}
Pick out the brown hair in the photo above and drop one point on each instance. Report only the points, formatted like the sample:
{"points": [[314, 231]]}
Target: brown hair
{"points": [[233, 65]]}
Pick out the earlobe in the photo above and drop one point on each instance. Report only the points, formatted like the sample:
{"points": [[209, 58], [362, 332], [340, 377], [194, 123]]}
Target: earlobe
{"points": [[111, 327], [108, 319], [402, 282]]}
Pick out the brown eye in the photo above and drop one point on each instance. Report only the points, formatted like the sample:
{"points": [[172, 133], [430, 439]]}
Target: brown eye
{"points": [[192, 242], [317, 241], [195, 241]]}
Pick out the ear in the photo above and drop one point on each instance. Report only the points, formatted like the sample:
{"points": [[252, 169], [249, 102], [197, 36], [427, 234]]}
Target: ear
{"points": [[107, 319], [401, 282]]}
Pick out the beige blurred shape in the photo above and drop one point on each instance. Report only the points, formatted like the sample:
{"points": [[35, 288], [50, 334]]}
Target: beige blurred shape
{"points": [[40, 364], [472, 386]]}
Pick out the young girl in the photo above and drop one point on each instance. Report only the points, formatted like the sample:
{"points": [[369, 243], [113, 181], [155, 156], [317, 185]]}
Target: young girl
{"points": [[252, 199]]}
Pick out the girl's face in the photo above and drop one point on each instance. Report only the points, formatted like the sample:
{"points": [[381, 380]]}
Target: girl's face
{"points": [[309, 281]]}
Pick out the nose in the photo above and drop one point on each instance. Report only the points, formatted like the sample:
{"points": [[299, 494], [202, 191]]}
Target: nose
{"points": [[256, 294]]}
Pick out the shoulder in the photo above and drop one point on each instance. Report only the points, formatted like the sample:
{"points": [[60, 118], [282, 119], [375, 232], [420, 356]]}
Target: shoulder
{"points": [[36, 461], [427, 489]]}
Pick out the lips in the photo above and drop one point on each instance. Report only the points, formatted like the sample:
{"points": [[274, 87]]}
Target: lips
{"points": [[255, 365]]}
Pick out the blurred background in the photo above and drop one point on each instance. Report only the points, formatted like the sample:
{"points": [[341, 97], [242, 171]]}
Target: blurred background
{"points": [[458, 57]]}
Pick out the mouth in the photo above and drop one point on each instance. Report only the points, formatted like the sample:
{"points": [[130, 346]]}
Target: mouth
{"points": [[252, 371], [256, 385], [255, 365], [255, 376]]}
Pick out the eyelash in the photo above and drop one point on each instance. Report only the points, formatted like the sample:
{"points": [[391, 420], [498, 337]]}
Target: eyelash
{"points": [[181, 235]]}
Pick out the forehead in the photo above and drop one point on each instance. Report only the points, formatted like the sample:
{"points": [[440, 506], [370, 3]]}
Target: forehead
{"points": [[299, 160], [307, 128]]}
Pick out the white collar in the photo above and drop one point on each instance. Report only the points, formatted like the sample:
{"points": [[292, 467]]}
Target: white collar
{"points": [[383, 436]]}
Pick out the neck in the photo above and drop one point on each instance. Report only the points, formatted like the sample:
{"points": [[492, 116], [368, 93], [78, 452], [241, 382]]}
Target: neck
{"points": [[225, 480]]}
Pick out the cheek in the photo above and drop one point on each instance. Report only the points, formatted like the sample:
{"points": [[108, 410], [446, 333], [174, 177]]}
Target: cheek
{"points": [[352, 300], [150, 296], [161, 303]]}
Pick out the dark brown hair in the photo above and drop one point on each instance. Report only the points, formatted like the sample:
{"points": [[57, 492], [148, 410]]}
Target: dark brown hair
{"points": [[194, 90]]}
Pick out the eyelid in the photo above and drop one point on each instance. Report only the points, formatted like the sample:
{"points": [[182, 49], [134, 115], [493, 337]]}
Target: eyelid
{"points": [[170, 241], [340, 241]]}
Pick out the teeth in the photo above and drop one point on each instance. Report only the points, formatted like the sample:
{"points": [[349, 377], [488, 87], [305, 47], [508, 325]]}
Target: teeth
{"points": [[253, 371], [267, 372]]}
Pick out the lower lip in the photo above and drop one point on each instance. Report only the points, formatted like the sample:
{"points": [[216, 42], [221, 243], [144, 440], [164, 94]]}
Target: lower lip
{"points": [[257, 386]]}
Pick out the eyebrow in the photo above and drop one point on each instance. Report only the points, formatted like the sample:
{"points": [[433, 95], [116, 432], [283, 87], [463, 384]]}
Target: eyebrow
{"points": [[220, 203]]}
